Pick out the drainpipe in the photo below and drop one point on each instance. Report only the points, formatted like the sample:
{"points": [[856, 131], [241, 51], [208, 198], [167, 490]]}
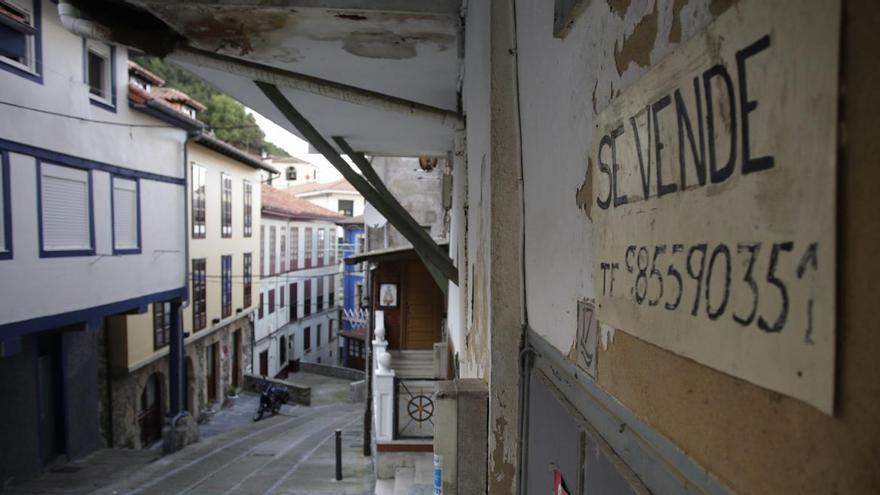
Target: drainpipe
{"points": [[73, 22]]}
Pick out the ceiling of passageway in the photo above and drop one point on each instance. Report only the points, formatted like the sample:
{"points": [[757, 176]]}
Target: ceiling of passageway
{"points": [[410, 49]]}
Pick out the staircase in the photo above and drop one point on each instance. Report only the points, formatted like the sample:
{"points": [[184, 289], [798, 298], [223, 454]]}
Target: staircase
{"points": [[410, 480], [412, 364]]}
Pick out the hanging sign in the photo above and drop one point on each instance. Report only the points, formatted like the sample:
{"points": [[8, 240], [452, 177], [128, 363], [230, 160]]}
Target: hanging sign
{"points": [[714, 180]]}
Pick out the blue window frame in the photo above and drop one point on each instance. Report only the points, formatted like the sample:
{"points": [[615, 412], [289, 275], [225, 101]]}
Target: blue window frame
{"points": [[6, 205], [125, 215], [50, 204], [21, 44], [99, 73], [226, 296]]}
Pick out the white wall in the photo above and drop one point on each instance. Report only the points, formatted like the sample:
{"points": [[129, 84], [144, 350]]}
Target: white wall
{"points": [[56, 285]]}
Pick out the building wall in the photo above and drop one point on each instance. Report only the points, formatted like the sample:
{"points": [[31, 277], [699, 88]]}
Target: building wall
{"points": [[330, 200], [272, 326], [156, 150], [753, 440]]}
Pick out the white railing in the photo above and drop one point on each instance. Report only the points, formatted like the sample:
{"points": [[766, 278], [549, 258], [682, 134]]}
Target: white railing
{"points": [[383, 383]]}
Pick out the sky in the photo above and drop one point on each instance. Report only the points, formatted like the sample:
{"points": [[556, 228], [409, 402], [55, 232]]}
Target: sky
{"points": [[297, 147]]}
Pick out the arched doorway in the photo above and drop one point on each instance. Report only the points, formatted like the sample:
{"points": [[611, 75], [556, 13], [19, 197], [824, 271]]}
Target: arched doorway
{"points": [[150, 410]]}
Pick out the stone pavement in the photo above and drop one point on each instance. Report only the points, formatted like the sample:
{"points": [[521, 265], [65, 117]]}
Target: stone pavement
{"points": [[291, 453]]}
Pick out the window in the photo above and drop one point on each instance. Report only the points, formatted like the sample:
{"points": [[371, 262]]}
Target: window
{"points": [[99, 73], [226, 289], [199, 294], [262, 250], [281, 297], [294, 248], [307, 339], [272, 250], [5, 212], [346, 207], [126, 216], [161, 324], [226, 205], [198, 202], [320, 294], [322, 244], [248, 208], [307, 248], [248, 279], [307, 298], [188, 111], [282, 351], [294, 301], [331, 281], [318, 339], [330, 330], [67, 223], [260, 309], [20, 38], [283, 258], [271, 301], [291, 173], [332, 248]]}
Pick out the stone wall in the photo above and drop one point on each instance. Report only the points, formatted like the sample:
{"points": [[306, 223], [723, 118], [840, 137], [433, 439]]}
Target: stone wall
{"points": [[126, 387], [299, 394], [332, 371]]}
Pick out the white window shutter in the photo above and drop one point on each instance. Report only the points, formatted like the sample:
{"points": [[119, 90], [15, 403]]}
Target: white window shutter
{"points": [[125, 214], [65, 205]]}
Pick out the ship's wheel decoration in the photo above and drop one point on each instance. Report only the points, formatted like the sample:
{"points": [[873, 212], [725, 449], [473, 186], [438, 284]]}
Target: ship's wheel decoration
{"points": [[420, 408]]}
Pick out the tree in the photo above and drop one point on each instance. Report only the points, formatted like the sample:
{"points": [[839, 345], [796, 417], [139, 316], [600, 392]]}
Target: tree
{"points": [[224, 115]]}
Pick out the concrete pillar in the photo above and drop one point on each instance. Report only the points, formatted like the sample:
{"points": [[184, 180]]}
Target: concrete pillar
{"points": [[460, 435], [506, 299], [176, 364]]}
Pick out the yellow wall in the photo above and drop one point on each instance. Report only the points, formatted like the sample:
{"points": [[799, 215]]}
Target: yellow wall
{"points": [[138, 329]]}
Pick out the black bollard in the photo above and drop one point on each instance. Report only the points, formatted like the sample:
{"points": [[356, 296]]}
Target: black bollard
{"points": [[338, 455]]}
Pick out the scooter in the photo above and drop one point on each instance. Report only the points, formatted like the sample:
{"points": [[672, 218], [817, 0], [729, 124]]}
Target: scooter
{"points": [[272, 398]]}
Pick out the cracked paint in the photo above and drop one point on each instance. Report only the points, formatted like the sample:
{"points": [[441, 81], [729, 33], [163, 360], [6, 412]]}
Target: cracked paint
{"points": [[636, 48]]}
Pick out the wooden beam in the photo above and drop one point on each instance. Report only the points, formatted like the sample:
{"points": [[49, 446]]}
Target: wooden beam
{"points": [[424, 246]]}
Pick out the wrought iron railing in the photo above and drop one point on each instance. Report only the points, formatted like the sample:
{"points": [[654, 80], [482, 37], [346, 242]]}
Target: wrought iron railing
{"points": [[414, 406]]}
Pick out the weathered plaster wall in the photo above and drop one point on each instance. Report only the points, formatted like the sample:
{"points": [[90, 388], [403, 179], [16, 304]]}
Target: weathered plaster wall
{"points": [[754, 440]]}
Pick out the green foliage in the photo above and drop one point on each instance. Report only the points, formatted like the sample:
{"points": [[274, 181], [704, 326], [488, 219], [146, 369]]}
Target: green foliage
{"points": [[224, 115]]}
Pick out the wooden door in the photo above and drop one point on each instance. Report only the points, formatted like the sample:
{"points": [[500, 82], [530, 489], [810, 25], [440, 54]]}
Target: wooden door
{"points": [[264, 363], [236, 357], [422, 305], [211, 370], [150, 414]]}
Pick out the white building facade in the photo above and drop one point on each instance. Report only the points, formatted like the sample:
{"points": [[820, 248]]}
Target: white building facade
{"points": [[297, 317], [91, 225]]}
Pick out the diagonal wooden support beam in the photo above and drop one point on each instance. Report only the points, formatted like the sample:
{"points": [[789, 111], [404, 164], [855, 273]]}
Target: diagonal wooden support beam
{"points": [[373, 178], [425, 247]]}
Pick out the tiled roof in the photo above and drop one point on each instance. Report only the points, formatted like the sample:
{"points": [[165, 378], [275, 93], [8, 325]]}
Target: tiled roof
{"points": [[281, 203], [177, 96], [340, 185], [144, 73]]}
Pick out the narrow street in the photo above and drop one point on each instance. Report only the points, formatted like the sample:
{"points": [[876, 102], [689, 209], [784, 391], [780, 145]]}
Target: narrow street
{"points": [[291, 453]]}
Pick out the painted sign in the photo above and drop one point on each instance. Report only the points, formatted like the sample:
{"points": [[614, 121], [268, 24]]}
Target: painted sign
{"points": [[714, 180]]}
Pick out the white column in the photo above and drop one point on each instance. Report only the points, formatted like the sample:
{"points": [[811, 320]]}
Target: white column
{"points": [[383, 383]]}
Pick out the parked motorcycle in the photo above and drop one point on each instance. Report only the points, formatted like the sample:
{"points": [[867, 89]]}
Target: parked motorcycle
{"points": [[272, 397]]}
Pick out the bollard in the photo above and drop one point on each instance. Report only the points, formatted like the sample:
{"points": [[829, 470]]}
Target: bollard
{"points": [[338, 455]]}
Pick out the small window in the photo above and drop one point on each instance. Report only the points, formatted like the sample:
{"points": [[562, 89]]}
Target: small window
{"points": [[291, 173], [307, 298], [188, 111], [322, 245], [226, 280], [260, 309], [199, 293], [346, 207], [248, 279], [307, 247], [65, 211], [272, 250], [294, 301], [283, 258], [198, 202], [262, 250], [307, 339], [99, 72], [281, 297], [226, 206], [294, 248], [318, 339], [320, 294], [331, 281], [20, 38], [248, 208], [126, 216], [271, 301], [161, 324]]}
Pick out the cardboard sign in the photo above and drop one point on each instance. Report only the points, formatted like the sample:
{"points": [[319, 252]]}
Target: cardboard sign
{"points": [[714, 184]]}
